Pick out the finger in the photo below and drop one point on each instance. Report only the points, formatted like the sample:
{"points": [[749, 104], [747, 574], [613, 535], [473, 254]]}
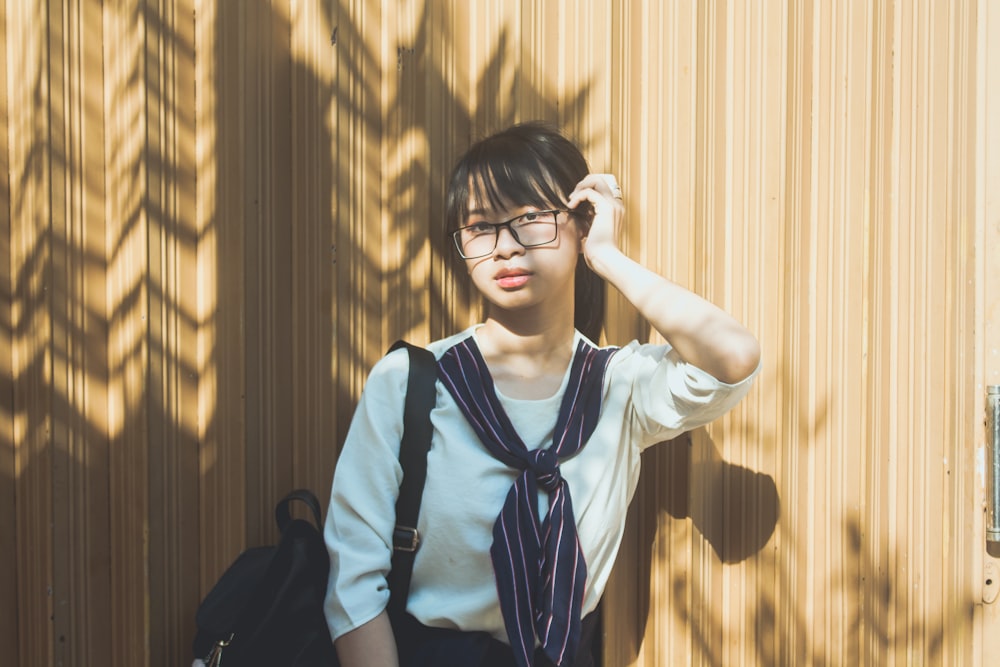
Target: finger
{"points": [[600, 198], [604, 184]]}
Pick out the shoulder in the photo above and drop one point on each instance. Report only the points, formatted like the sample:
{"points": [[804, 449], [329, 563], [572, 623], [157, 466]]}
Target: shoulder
{"points": [[395, 365], [439, 347]]}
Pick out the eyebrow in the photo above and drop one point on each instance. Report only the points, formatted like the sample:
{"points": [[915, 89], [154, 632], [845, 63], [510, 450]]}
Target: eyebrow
{"points": [[531, 208]]}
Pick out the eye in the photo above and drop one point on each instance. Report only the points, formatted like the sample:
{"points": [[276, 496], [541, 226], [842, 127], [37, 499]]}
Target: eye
{"points": [[477, 229], [536, 216]]}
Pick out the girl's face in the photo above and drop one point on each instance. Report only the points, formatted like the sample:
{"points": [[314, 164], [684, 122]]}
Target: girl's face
{"points": [[514, 277]]}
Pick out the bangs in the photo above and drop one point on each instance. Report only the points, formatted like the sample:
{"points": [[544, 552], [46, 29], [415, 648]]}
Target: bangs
{"points": [[507, 185], [506, 173]]}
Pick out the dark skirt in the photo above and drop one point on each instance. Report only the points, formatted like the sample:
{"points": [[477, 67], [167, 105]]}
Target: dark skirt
{"points": [[422, 646]]}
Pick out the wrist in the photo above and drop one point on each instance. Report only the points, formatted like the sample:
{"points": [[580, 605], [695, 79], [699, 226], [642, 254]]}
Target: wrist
{"points": [[605, 260]]}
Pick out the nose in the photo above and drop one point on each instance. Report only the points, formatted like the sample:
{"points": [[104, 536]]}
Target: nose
{"points": [[507, 243]]}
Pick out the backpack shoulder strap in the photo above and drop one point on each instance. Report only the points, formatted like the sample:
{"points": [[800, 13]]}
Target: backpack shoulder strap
{"points": [[420, 398]]}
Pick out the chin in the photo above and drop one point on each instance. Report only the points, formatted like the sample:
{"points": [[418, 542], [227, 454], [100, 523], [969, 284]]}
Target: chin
{"points": [[514, 300]]}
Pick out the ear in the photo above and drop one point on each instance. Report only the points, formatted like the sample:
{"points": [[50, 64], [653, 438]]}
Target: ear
{"points": [[579, 227]]}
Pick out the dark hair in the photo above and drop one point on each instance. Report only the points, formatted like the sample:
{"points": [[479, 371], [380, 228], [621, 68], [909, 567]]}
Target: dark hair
{"points": [[530, 164]]}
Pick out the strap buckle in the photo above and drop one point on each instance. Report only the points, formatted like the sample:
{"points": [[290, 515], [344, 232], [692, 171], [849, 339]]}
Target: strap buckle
{"points": [[405, 538]]}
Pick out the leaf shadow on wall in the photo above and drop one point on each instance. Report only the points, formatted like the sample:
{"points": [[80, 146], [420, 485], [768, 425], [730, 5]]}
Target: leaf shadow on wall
{"points": [[875, 606], [733, 508]]}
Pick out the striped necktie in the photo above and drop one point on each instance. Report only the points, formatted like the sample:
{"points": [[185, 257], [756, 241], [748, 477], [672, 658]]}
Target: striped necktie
{"points": [[538, 564]]}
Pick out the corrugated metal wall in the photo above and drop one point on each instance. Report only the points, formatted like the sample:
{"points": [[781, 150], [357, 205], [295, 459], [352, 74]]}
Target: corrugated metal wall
{"points": [[218, 214]]}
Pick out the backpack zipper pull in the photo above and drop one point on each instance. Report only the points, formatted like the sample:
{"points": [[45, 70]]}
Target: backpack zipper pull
{"points": [[214, 658]]}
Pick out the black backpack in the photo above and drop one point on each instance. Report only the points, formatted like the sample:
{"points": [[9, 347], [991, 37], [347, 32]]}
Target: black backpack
{"points": [[267, 607]]}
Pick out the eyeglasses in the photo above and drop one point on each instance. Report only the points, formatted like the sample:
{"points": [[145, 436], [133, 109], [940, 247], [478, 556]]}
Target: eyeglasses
{"points": [[530, 229]]}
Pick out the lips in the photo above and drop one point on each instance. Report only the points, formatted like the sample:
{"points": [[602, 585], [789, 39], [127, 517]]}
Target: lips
{"points": [[512, 278]]}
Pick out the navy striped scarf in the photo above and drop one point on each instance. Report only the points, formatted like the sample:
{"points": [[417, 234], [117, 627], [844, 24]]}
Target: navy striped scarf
{"points": [[539, 566]]}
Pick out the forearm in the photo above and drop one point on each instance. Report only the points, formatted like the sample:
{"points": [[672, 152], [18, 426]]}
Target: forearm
{"points": [[370, 645], [702, 333]]}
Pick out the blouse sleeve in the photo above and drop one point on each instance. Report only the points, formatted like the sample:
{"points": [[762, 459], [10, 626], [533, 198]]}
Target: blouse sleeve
{"points": [[362, 511], [667, 395]]}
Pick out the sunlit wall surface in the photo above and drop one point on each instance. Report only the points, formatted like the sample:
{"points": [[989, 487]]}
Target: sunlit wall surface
{"points": [[215, 216]]}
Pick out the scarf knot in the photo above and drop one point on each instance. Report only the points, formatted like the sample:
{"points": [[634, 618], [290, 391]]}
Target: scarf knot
{"points": [[538, 564], [545, 465]]}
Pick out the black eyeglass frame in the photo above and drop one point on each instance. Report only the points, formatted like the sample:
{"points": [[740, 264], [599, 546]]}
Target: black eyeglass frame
{"points": [[456, 235]]}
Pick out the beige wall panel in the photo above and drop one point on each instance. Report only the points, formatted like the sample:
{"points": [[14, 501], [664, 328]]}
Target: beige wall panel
{"points": [[171, 332], [987, 260], [220, 274], [8, 488], [218, 215], [128, 350], [78, 384], [312, 354], [30, 330], [150, 235], [811, 267]]}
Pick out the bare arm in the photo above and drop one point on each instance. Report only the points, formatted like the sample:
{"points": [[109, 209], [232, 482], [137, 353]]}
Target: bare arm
{"points": [[370, 645], [702, 334]]}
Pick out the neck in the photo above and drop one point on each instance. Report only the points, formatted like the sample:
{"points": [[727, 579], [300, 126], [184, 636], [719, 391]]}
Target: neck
{"points": [[501, 337], [526, 359], [529, 331]]}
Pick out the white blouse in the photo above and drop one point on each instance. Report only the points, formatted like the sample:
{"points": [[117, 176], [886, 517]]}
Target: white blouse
{"points": [[650, 395]]}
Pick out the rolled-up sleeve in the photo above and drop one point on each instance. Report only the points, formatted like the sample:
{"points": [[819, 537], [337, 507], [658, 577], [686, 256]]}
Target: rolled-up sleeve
{"points": [[667, 395], [361, 515]]}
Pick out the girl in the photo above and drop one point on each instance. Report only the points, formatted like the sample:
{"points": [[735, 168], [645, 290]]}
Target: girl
{"points": [[537, 432]]}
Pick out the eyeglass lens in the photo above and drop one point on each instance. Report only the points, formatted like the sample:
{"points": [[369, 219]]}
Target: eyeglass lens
{"points": [[531, 229]]}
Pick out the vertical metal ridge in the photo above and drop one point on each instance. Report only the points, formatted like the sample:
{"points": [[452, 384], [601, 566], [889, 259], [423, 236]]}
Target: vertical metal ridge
{"points": [[128, 355], [221, 295], [9, 530], [314, 48]]}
